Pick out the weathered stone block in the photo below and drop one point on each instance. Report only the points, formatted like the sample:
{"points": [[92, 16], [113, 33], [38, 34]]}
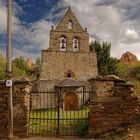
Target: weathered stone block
{"points": [[20, 107], [109, 113]]}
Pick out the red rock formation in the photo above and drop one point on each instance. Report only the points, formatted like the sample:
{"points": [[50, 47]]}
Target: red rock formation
{"points": [[29, 63], [128, 58]]}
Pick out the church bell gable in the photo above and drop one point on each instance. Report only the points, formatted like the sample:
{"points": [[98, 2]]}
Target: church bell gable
{"points": [[68, 55], [69, 22], [69, 36]]}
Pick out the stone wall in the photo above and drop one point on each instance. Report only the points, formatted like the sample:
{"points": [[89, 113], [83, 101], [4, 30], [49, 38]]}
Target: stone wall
{"points": [[114, 111], [3, 110], [83, 38], [21, 91], [76, 31], [69, 15], [56, 65]]}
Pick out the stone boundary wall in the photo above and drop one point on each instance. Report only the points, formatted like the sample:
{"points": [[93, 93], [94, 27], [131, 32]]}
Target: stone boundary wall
{"points": [[21, 91], [113, 106]]}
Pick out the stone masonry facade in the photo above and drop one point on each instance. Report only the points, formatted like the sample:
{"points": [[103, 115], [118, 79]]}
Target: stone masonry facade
{"points": [[113, 106], [58, 64], [21, 91]]}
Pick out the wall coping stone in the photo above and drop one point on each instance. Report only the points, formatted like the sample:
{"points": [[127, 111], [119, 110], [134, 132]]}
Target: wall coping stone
{"points": [[2, 82], [107, 79], [106, 99], [124, 84]]}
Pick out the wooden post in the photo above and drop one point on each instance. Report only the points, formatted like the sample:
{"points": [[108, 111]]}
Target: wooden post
{"points": [[9, 69]]}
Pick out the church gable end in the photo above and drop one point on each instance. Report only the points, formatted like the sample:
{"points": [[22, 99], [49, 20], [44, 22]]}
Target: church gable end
{"points": [[68, 55], [69, 36], [69, 23]]}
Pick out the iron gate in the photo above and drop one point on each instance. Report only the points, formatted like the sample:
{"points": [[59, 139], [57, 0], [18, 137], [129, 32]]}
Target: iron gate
{"points": [[53, 113]]}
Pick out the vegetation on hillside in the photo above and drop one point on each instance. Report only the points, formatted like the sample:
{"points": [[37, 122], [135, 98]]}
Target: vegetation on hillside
{"points": [[2, 67], [130, 73], [108, 65], [20, 68]]}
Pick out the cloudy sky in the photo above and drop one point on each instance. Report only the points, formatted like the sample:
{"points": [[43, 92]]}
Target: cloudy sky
{"points": [[115, 21]]}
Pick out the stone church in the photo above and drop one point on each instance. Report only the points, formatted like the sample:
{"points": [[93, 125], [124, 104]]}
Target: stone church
{"points": [[66, 66], [68, 55]]}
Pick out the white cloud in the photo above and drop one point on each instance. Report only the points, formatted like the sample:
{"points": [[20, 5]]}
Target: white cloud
{"points": [[30, 39], [16, 10], [40, 33], [113, 21], [3, 14], [130, 33], [121, 48]]}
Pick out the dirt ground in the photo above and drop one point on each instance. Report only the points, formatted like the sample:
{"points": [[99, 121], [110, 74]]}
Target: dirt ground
{"points": [[134, 133], [54, 138]]}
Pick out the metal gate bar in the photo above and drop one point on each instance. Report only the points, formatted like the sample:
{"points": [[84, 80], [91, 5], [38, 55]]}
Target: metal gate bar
{"points": [[48, 117]]}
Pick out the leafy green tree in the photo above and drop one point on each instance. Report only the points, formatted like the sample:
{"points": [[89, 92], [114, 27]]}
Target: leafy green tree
{"points": [[135, 71], [129, 72], [20, 63], [17, 72], [122, 70], [2, 67], [19, 67], [106, 64], [112, 65]]}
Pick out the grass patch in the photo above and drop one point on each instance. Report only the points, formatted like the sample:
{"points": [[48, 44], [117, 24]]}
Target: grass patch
{"points": [[45, 122]]}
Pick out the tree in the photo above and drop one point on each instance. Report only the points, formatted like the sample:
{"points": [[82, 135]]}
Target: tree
{"points": [[19, 67], [129, 72], [35, 72], [106, 64], [135, 71], [20, 63], [112, 65], [122, 70], [2, 67]]}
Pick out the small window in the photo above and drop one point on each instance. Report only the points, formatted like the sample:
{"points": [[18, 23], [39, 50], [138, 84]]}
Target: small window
{"points": [[75, 45], [69, 75], [70, 25], [63, 44]]}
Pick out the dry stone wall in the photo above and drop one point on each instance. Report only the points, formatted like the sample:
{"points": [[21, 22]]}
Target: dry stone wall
{"points": [[21, 91], [114, 111]]}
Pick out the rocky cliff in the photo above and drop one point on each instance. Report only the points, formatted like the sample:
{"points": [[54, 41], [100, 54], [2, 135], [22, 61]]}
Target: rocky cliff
{"points": [[128, 58], [29, 63]]}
